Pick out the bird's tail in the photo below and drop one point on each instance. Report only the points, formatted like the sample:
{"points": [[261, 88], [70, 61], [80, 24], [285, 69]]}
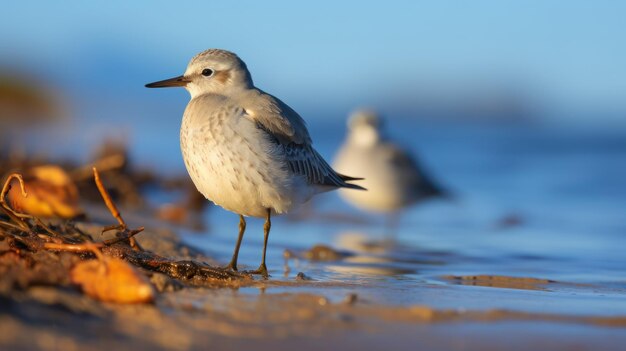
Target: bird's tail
{"points": [[430, 189], [347, 179]]}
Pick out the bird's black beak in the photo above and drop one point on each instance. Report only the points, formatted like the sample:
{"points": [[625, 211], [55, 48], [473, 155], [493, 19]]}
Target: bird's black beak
{"points": [[179, 81]]}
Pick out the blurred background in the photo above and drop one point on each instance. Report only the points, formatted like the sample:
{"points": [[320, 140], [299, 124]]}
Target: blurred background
{"points": [[519, 108], [558, 63]]}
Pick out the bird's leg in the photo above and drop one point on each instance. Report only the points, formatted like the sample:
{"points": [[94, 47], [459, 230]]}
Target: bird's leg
{"points": [[242, 228], [262, 270]]}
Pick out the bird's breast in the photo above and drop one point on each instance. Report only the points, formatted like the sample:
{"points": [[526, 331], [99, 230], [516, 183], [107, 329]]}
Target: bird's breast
{"points": [[231, 165]]}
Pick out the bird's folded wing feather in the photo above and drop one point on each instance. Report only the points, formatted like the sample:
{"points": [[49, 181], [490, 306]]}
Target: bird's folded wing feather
{"points": [[304, 160], [276, 117], [409, 170], [288, 130]]}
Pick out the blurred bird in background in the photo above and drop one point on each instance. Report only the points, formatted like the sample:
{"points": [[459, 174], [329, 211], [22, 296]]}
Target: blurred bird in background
{"points": [[393, 177]]}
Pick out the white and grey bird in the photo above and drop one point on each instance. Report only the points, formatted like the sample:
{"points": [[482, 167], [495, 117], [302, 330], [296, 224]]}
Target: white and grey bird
{"points": [[394, 178], [244, 149]]}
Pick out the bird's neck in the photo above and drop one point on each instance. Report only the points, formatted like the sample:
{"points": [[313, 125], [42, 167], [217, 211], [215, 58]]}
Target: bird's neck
{"points": [[223, 92]]}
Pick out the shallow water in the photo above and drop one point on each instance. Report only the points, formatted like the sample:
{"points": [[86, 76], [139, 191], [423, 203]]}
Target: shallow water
{"points": [[529, 202]]}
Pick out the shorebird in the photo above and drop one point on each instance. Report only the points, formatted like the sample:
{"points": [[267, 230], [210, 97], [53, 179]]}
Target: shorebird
{"points": [[394, 178], [246, 150]]}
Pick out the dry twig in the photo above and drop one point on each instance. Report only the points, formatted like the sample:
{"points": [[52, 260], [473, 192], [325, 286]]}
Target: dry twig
{"points": [[107, 199], [125, 233], [7, 209], [84, 247]]}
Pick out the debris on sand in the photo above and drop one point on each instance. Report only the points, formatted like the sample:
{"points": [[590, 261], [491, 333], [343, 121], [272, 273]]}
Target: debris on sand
{"points": [[498, 281], [112, 269], [112, 280], [51, 193], [318, 252]]}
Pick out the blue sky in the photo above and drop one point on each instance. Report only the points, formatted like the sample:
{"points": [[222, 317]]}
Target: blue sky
{"points": [[563, 56]]}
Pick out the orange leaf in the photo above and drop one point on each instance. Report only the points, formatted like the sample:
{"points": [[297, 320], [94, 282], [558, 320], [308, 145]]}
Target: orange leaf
{"points": [[51, 193], [112, 280]]}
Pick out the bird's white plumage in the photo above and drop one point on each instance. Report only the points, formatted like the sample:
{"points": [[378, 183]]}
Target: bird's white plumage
{"points": [[244, 149], [232, 162]]}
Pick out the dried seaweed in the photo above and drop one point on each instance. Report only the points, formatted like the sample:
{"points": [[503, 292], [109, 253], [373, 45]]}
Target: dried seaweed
{"points": [[25, 237]]}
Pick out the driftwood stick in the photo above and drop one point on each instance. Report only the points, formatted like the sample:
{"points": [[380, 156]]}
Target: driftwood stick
{"points": [[107, 200]]}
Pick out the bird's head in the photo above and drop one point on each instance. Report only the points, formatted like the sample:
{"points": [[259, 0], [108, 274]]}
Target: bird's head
{"points": [[211, 71], [364, 127]]}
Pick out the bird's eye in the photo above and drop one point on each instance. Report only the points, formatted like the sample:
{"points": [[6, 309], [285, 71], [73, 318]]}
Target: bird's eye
{"points": [[207, 72]]}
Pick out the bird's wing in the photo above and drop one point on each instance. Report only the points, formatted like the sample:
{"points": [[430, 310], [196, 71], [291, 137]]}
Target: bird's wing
{"points": [[276, 117], [288, 131], [305, 161], [410, 171]]}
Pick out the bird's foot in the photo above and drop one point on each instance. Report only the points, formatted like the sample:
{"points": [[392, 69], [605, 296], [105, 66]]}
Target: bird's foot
{"points": [[262, 270], [230, 267]]}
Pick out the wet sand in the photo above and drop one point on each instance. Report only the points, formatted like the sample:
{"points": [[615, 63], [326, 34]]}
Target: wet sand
{"points": [[503, 268], [221, 319], [308, 313]]}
